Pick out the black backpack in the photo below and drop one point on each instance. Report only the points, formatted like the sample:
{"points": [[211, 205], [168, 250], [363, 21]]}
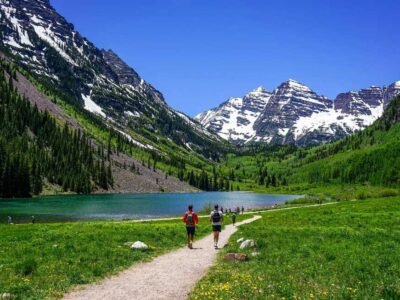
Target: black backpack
{"points": [[189, 220], [216, 217]]}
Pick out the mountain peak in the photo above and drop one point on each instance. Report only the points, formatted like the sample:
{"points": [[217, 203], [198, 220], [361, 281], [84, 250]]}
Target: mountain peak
{"points": [[396, 83], [259, 89], [125, 73], [109, 51], [294, 84]]}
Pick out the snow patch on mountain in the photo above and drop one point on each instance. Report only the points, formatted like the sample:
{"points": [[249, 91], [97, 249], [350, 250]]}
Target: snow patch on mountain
{"points": [[91, 106], [297, 85], [23, 35], [132, 114], [46, 34]]}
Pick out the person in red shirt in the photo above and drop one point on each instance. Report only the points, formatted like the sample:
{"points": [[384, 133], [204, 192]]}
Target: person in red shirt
{"points": [[190, 219]]}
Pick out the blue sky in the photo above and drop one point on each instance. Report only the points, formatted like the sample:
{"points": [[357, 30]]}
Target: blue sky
{"points": [[199, 53]]}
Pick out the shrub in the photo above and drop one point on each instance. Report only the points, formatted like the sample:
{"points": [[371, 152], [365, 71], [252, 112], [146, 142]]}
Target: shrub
{"points": [[362, 195], [388, 193], [27, 267]]}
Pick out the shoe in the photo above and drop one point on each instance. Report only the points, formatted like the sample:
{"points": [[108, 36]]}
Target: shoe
{"points": [[215, 247]]}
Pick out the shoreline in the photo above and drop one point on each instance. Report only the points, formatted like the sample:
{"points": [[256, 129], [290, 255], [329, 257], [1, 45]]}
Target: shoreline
{"points": [[264, 209]]}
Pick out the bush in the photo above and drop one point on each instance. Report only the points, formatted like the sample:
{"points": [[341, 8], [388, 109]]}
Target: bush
{"points": [[362, 195], [388, 193], [309, 199], [26, 267]]}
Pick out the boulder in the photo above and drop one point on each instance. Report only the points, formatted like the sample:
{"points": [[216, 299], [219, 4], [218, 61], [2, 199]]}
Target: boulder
{"points": [[240, 240], [138, 245], [5, 296], [247, 244], [235, 256]]}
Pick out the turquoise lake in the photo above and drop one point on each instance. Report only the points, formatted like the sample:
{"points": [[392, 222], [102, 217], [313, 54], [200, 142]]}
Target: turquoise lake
{"points": [[127, 206]]}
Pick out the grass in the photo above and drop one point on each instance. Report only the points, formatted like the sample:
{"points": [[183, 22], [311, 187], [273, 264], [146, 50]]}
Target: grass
{"points": [[43, 261], [349, 250]]}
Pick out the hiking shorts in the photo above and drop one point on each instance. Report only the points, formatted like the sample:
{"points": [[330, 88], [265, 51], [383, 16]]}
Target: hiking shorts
{"points": [[216, 228], [190, 230]]}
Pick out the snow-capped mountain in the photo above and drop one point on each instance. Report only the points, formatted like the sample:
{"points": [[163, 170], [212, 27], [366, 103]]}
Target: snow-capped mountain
{"points": [[293, 113], [234, 119], [43, 43]]}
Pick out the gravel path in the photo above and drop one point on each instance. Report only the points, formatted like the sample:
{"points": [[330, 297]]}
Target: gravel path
{"points": [[170, 276]]}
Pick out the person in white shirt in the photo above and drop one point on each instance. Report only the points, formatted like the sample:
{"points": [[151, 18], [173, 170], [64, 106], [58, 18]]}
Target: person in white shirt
{"points": [[216, 219]]}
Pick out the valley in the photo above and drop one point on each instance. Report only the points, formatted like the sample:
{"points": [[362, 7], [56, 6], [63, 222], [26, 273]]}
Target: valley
{"points": [[94, 160], [147, 146]]}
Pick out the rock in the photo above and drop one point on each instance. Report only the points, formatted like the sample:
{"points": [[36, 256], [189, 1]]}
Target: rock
{"points": [[235, 256], [229, 256], [5, 296], [247, 244], [138, 245], [240, 240]]}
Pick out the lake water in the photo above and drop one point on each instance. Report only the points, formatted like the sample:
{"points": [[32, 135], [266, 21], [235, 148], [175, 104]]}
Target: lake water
{"points": [[127, 206]]}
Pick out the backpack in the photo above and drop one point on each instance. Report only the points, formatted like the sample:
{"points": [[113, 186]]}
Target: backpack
{"points": [[216, 217], [189, 219]]}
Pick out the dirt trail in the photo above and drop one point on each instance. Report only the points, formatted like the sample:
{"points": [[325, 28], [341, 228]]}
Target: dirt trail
{"points": [[170, 276]]}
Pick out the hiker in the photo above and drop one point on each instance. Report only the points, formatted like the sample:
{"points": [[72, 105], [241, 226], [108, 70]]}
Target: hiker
{"points": [[9, 220], [233, 218], [216, 220], [190, 219], [242, 210], [33, 219]]}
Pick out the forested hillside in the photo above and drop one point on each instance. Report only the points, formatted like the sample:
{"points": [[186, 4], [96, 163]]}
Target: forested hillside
{"points": [[36, 150], [370, 156], [54, 145]]}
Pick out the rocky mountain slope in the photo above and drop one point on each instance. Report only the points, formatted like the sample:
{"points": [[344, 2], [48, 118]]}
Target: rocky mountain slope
{"points": [[48, 46], [142, 179], [293, 113], [95, 91]]}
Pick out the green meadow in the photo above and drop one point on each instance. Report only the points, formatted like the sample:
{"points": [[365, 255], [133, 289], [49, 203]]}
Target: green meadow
{"points": [[43, 261], [349, 250]]}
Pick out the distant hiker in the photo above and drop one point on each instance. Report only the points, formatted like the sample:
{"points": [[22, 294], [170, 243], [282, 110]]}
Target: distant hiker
{"points": [[238, 210], [233, 218], [230, 211], [33, 219], [216, 220], [242, 210], [190, 219], [9, 221]]}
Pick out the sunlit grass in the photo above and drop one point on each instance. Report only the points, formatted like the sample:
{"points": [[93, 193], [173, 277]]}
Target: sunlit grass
{"points": [[45, 260], [349, 250]]}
